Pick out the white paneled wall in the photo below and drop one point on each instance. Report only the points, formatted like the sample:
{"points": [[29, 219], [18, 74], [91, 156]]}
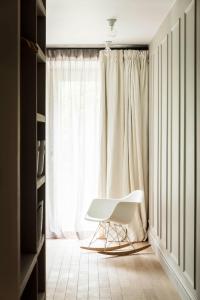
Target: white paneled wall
{"points": [[173, 153]]}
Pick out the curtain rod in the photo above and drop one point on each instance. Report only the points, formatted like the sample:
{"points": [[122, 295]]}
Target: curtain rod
{"points": [[125, 47]]}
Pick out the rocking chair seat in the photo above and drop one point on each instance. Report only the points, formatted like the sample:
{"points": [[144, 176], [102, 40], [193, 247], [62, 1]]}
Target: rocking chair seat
{"points": [[119, 210]]}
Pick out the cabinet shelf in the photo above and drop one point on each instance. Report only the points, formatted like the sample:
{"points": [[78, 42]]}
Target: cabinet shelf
{"points": [[35, 48], [41, 118], [41, 11], [41, 243], [41, 58], [28, 262], [40, 181]]}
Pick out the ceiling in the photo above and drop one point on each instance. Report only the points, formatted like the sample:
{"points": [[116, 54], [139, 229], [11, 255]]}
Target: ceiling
{"points": [[83, 22]]}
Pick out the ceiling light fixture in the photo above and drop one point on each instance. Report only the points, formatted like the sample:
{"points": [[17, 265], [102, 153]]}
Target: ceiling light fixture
{"points": [[111, 24]]}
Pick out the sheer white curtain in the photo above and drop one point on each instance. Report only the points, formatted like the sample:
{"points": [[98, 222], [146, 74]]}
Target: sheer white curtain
{"points": [[73, 110], [124, 129]]}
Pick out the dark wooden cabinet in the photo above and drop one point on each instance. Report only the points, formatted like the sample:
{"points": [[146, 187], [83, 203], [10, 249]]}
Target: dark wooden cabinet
{"points": [[22, 125]]}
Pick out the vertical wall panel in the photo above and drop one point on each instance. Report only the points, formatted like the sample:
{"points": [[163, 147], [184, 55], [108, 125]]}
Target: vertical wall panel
{"points": [[159, 138], [169, 150], [197, 279], [190, 144], [164, 98], [175, 100], [155, 174], [175, 111], [151, 142], [182, 144]]}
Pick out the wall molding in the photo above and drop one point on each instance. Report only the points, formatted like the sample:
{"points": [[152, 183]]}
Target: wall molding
{"points": [[173, 155], [175, 275]]}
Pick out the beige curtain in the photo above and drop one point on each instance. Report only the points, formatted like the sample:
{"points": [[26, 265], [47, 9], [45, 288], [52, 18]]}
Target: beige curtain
{"points": [[124, 129]]}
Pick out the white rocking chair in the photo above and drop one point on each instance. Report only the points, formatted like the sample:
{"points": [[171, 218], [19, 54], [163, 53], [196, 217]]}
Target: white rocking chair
{"points": [[113, 215]]}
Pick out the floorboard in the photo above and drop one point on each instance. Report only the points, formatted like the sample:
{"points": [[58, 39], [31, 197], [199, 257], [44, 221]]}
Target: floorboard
{"points": [[74, 274]]}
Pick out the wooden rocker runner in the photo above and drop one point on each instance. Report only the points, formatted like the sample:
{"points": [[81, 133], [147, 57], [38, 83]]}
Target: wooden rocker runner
{"points": [[113, 215]]}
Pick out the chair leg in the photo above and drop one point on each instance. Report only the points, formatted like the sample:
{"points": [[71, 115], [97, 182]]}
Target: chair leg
{"points": [[125, 233], [127, 237], [117, 234], [98, 227], [106, 234], [106, 227]]}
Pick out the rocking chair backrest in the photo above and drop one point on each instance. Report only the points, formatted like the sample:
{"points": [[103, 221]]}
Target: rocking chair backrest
{"points": [[124, 210], [136, 196]]}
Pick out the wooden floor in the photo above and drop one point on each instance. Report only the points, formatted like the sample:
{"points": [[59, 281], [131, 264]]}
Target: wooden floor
{"points": [[76, 274]]}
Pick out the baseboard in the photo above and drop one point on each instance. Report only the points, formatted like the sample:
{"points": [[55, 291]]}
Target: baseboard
{"points": [[175, 275]]}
